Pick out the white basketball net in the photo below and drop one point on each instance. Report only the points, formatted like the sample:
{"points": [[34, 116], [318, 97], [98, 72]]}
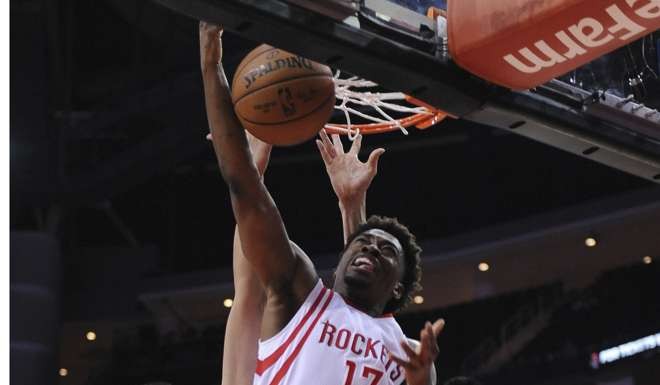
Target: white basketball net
{"points": [[348, 98]]}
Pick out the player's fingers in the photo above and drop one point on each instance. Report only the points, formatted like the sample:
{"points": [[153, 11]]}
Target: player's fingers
{"points": [[412, 354], [424, 349], [438, 326], [329, 148], [372, 162], [339, 147], [209, 137], [425, 333], [357, 144], [324, 154], [428, 331], [430, 344], [414, 358]]}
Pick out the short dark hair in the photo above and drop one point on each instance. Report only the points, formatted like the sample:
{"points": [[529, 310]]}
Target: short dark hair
{"points": [[412, 274], [460, 380]]}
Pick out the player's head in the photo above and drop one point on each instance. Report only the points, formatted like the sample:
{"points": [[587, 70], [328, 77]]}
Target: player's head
{"points": [[380, 265]]}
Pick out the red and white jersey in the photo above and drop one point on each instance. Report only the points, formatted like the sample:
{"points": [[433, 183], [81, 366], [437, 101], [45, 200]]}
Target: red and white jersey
{"points": [[328, 342]]}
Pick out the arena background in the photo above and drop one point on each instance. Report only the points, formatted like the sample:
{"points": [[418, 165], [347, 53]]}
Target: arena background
{"points": [[121, 227]]}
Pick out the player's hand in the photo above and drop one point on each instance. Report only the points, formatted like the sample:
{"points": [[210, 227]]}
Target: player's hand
{"points": [[260, 151], [350, 178], [210, 45], [418, 364]]}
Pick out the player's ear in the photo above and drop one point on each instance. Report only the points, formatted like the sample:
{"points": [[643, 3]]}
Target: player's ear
{"points": [[397, 292]]}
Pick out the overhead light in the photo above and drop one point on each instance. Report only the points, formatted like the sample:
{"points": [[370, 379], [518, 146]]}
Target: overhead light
{"points": [[63, 372], [90, 335], [483, 266], [647, 259], [227, 302], [418, 299], [590, 242]]}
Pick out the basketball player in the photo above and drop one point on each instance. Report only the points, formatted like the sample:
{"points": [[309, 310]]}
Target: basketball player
{"points": [[350, 179], [310, 334]]}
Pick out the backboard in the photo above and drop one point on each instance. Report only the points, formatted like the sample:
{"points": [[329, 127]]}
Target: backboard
{"points": [[587, 112]]}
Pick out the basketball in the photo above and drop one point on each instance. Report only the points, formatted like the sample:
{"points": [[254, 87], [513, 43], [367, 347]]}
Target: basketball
{"points": [[282, 98]]}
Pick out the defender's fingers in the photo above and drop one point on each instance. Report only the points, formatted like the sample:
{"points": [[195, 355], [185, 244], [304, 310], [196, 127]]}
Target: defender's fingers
{"points": [[372, 162], [324, 154], [339, 146], [357, 144], [329, 148]]}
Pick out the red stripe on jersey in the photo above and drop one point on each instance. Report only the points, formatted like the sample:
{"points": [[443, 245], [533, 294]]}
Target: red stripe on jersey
{"points": [[263, 365], [287, 364]]}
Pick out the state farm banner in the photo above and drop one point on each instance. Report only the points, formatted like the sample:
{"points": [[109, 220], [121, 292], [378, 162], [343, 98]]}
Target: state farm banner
{"points": [[523, 43]]}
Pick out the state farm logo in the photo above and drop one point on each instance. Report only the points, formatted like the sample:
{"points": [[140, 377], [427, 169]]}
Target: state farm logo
{"points": [[585, 36]]}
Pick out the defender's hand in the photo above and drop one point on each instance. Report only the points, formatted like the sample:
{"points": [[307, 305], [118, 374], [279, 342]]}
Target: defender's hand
{"points": [[350, 178], [210, 45], [419, 362]]}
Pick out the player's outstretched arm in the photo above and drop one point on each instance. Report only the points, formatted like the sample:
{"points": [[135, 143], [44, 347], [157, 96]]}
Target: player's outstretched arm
{"points": [[263, 237], [350, 178]]}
